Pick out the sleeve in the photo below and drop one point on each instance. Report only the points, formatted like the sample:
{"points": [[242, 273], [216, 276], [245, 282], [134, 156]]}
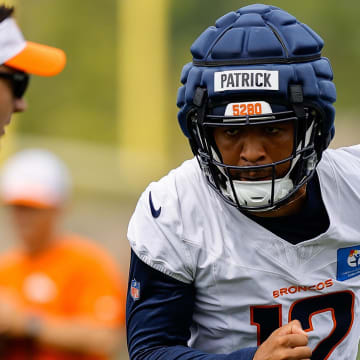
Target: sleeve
{"points": [[155, 232], [158, 317]]}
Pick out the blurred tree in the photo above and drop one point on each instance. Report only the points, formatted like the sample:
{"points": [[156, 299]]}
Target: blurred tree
{"points": [[80, 103]]}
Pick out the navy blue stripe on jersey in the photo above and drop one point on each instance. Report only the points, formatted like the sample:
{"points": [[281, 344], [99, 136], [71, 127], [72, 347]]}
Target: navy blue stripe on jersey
{"points": [[292, 228], [158, 323]]}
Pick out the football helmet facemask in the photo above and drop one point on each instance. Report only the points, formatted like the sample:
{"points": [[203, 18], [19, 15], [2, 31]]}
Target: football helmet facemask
{"points": [[259, 195]]}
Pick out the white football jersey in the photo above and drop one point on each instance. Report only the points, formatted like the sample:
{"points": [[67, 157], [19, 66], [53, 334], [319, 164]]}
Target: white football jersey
{"points": [[248, 280]]}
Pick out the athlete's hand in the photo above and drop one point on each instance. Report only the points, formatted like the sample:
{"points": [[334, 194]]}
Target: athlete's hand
{"points": [[286, 343]]}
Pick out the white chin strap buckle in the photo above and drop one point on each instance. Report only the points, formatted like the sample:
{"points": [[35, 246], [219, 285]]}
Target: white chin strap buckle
{"points": [[258, 193]]}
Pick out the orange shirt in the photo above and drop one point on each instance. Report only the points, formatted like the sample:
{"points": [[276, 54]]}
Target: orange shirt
{"points": [[73, 278]]}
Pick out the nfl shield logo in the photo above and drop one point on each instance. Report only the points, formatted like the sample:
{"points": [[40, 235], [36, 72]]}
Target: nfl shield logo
{"points": [[135, 290]]}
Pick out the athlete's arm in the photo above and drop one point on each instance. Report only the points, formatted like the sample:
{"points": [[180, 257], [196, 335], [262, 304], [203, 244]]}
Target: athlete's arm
{"points": [[158, 323]]}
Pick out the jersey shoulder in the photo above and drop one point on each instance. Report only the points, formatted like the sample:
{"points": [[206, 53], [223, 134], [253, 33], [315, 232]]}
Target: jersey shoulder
{"points": [[167, 201], [342, 153], [343, 163], [166, 215], [339, 178]]}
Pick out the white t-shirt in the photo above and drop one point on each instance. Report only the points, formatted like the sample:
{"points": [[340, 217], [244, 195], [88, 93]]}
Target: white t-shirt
{"points": [[248, 280]]}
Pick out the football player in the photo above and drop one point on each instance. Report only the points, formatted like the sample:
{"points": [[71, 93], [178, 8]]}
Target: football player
{"points": [[250, 250]]}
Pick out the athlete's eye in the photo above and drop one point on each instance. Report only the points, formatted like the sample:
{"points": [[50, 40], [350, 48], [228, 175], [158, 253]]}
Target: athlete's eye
{"points": [[271, 130], [232, 131]]}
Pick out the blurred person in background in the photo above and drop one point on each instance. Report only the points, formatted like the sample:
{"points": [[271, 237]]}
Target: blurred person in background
{"points": [[18, 59], [61, 296]]}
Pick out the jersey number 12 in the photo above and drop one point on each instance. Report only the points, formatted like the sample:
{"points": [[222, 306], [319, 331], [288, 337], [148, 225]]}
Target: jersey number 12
{"points": [[267, 318]]}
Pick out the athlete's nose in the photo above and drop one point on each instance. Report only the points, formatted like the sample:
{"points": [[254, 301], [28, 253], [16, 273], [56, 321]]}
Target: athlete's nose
{"points": [[252, 151]]}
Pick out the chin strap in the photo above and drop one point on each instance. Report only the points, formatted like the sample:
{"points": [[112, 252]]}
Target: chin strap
{"points": [[197, 141], [297, 100], [194, 117], [259, 193]]}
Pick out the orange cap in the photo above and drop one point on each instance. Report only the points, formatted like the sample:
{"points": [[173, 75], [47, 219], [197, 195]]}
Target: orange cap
{"points": [[29, 202], [38, 59], [27, 56]]}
